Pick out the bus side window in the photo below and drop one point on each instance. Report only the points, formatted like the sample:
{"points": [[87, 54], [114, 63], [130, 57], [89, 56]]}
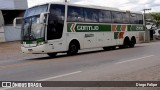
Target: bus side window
{"points": [[117, 17], [133, 18], [139, 19], [104, 16], [125, 18], [91, 15], [75, 14], [55, 22]]}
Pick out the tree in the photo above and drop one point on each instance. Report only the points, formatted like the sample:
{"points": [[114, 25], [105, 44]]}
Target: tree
{"points": [[156, 18]]}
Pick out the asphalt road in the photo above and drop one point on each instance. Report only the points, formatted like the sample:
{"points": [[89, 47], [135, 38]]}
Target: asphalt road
{"points": [[89, 65]]}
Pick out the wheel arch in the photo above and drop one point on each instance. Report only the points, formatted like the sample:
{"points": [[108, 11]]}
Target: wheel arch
{"points": [[74, 41]]}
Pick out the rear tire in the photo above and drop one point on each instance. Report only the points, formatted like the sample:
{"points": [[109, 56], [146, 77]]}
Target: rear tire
{"points": [[132, 43], [73, 48], [52, 54], [125, 43]]}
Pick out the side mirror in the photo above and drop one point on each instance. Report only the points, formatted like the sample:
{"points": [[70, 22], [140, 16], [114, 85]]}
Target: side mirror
{"points": [[15, 22], [42, 17]]}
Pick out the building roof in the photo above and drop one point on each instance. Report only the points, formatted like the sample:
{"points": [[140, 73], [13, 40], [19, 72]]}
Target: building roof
{"points": [[13, 4]]}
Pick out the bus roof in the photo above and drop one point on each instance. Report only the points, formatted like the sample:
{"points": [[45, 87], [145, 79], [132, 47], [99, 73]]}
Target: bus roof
{"points": [[89, 6]]}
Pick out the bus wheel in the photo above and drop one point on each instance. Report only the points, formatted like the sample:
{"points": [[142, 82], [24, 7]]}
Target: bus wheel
{"points": [[125, 43], [132, 42], [52, 54], [73, 49]]}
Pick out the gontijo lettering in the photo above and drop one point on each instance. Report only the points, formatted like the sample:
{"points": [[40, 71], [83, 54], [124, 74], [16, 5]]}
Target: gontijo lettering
{"points": [[94, 28], [139, 28]]}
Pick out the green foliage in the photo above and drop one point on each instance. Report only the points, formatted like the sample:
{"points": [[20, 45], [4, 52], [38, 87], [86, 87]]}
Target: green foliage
{"points": [[156, 17]]}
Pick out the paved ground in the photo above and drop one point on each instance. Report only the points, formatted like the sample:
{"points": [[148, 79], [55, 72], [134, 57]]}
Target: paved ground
{"points": [[11, 50], [141, 63]]}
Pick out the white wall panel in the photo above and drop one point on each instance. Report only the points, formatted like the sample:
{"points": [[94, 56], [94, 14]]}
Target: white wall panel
{"points": [[12, 34]]}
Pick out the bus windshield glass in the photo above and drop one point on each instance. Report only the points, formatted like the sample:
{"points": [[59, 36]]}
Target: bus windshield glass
{"points": [[36, 10], [32, 29]]}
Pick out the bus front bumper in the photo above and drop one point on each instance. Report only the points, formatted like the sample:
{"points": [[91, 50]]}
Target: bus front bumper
{"points": [[35, 50]]}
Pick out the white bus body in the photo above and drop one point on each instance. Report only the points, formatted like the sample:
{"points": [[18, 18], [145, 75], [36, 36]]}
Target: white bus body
{"points": [[62, 27]]}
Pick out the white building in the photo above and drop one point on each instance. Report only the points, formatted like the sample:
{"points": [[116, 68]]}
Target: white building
{"points": [[9, 9]]}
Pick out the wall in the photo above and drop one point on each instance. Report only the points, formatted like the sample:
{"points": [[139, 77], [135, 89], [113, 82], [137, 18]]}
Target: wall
{"points": [[10, 10], [21, 4], [2, 36], [13, 4], [11, 33]]}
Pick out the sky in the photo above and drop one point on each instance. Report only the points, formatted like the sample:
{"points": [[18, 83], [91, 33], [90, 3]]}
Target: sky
{"points": [[132, 5]]}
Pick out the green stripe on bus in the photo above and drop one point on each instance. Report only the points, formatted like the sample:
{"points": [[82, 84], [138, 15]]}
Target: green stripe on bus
{"points": [[119, 27], [77, 27], [135, 28], [116, 35], [68, 27], [34, 41], [71, 27]]}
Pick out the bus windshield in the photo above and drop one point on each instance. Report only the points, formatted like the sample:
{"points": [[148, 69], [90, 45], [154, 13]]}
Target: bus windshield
{"points": [[36, 10], [32, 29]]}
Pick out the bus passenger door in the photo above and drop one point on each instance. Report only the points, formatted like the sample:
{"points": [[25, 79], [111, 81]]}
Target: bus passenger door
{"points": [[55, 28]]}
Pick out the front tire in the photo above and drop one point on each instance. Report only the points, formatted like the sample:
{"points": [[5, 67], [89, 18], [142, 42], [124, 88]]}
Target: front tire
{"points": [[73, 49]]}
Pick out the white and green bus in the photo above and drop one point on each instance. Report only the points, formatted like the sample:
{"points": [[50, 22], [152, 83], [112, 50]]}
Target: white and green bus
{"points": [[62, 27]]}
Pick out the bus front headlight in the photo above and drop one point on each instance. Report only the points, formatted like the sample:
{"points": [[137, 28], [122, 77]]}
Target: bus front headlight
{"points": [[24, 42]]}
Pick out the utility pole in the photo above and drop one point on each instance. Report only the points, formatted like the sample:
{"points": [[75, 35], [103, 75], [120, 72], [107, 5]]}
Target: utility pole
{"points": [[147, 32]]}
